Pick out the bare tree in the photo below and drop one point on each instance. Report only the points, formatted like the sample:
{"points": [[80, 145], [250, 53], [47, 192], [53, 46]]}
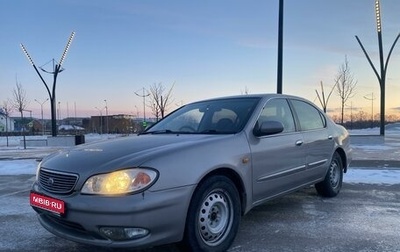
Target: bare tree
{"points": [[7, 109], [322, 98], [345, 84], [20, 100], [246, 91], [160, 99]]}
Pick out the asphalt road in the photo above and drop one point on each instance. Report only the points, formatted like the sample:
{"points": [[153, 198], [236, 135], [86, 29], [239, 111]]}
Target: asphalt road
{"points": [[363, 217]]}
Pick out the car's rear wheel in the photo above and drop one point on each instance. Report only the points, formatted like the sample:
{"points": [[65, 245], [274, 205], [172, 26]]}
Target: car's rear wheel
{"points": [[331, 185], [213, 217]]}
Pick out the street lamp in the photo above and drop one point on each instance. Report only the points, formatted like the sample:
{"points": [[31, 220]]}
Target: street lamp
{"points": [[41, 111], [137, 112], [56, 70], [106, 107], [101, 119], [280, 48], [59, 112], [144, 95], [372, 106], [351, 114], [383, 65]]}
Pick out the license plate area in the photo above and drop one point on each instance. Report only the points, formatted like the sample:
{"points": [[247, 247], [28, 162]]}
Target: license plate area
{"points": [[47, 203]]}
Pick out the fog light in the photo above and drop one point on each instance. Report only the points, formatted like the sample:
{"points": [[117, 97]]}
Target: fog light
{"points": [[123, 233]]}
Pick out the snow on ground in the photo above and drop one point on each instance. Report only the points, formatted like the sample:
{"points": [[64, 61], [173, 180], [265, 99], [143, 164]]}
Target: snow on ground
{"points": [[368, 176], [14, 141], [17, 167]]}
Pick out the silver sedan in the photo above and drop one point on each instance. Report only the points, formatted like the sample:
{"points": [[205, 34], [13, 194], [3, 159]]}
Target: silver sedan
{"points": [[190, 177]]}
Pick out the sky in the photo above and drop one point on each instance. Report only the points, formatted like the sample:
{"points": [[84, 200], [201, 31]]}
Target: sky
{"points": [[202, 49]]}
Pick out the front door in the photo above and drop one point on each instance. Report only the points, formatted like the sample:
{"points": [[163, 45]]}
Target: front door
{"points": [[278, 160]]}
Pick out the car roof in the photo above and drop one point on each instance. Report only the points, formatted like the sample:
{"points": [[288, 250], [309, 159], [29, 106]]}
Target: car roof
{"points": [[261, 96]]}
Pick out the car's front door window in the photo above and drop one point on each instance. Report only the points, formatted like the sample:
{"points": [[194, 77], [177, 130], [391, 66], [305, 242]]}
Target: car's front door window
{"points": [[278, 110]]}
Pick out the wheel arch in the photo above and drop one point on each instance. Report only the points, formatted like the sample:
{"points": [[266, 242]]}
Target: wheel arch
{"points": [[236, 180], [343, 157]]}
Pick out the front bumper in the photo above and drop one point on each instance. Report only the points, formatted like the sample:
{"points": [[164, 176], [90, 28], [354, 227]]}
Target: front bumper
{"points": [[163, 213]]}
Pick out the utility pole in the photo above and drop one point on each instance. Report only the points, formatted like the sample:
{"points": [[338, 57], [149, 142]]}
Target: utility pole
{"points": [[101, 119], [56, 70], [372, 107], [106, 117], [143, 95], [41, 111]]}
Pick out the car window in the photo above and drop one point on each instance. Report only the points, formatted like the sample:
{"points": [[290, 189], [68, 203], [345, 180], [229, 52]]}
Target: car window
{"points": [[214, 116], [278, 110], [310, 118], [188, 120]]}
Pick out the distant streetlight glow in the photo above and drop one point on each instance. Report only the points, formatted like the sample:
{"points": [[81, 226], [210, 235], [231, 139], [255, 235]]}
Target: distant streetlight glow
{"points": [[41, 111], [378, 15], [71, 37], [27, 54]]}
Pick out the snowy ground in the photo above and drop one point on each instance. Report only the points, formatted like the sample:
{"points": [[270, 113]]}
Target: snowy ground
{"points": [[371, 148]]}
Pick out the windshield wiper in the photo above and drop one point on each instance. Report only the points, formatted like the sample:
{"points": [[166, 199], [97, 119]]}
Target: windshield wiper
{"points": [[157, 132], [213, 131]]}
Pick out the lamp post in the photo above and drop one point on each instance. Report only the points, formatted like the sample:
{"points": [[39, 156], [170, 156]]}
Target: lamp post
{"points": [[137, 112], [56, 70], [351, 114], [280, 48], [101, 119], [372, 106], [41, 112], [383, 65], [144, 95], [59, 112], [106, 107]]}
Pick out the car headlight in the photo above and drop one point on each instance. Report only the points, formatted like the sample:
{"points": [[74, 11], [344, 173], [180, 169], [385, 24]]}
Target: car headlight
{"points": [[120, 182]]}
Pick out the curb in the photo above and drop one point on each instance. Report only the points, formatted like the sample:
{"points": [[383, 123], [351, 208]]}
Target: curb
{"points": [[373, 164]]}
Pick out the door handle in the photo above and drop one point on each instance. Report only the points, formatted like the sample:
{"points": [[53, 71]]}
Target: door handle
{"points": [[330, 137], [299, 142]]}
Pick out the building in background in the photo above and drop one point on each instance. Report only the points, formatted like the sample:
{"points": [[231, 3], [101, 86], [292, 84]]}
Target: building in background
{"points": [[6, 123]]}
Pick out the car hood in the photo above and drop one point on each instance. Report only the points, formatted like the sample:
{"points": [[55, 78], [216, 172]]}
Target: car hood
{"points": [[120, 153]]}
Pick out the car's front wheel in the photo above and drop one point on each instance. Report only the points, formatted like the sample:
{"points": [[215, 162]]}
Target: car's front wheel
{"points": [[213, 217], [331, 185]]}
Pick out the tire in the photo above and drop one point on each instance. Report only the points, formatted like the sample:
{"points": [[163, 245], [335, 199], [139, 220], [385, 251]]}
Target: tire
{"points": [[213, 216], [331, 185]]}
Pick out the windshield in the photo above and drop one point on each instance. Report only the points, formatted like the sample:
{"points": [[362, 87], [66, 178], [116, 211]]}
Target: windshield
{"points": [[222, 116]]}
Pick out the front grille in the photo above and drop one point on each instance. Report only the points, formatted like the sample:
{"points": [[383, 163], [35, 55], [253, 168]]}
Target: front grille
{"points": [[57, 182]]}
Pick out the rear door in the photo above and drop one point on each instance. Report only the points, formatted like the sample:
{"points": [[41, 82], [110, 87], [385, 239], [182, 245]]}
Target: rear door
{"points": [[278, 160], [318, 141]]}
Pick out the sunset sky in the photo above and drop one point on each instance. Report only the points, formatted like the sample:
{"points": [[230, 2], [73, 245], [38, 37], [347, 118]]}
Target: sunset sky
{"points": [[205, 48]]}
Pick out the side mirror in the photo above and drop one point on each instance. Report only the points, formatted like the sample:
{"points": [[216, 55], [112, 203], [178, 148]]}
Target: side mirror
{"points": [[268, 128]]}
